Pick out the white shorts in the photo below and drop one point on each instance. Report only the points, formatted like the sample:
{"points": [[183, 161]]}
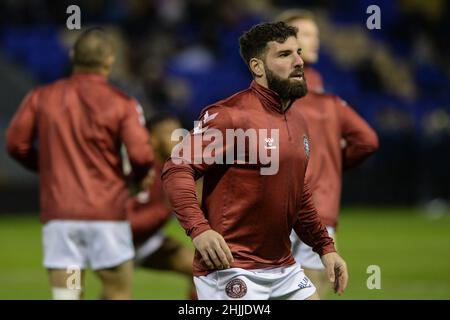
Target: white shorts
{"points": [[285, 283], [82, 244], [304, 254], [150, 246]]}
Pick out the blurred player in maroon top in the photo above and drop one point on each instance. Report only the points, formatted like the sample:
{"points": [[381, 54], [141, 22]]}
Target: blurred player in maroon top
{"points": [[341, 139], [70, 132], [149, 210], [241, 232]]}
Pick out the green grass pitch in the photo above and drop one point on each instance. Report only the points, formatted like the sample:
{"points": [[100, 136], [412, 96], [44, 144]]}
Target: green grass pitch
{"points": [[412, 250]]}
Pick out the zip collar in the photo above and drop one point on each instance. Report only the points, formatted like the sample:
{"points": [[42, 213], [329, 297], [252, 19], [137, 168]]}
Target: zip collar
{"points": [[269, 98]]}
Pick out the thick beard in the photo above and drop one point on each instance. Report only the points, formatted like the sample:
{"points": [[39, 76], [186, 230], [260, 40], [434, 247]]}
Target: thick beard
{"points": [[286, 88]]}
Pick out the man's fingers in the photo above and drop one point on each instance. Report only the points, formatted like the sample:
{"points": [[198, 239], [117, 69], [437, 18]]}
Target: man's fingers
{"points": [[213, 249], [222, 257], [227, 251], [330, 273], [336, 286], [343, 279], [212, 254], [336, 270], [206, 259]]}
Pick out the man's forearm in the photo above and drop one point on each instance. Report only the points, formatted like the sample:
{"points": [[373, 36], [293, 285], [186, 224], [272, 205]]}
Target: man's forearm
{"points": [[309, 227], [179, 185], [23, 153]]}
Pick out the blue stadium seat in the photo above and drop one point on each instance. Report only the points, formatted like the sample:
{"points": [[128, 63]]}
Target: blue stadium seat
{"points": [[38, 49]]}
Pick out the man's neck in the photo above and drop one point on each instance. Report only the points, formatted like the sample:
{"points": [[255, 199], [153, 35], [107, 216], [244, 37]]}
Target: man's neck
{"points": [[262, 82], [99, 71]]}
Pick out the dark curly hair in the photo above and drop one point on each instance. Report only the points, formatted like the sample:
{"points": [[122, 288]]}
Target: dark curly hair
{"points": [[253, 43]]}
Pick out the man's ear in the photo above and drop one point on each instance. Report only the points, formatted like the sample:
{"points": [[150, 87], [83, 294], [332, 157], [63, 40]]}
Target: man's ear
{"points": [[257, 67], [109, 61]]}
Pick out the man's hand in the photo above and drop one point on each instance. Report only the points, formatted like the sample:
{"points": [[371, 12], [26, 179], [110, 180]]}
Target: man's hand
{"points": [[336, 271], [214, 250], [148, 180]]}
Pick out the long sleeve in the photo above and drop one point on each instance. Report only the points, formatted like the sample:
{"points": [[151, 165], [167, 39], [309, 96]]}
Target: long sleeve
{"points": [[22, 133], [190, 163], [309, 227], [146, 221], [137, 141], [361, 139]]}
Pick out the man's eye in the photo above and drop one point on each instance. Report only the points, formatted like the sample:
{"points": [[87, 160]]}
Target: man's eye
{"points": [[284, 54]]}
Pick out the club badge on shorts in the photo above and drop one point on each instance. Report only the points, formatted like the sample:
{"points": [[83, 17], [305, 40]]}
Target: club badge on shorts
{"points": [[236, 288], [306, 146]]}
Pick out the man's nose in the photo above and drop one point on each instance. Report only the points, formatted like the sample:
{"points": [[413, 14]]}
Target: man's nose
{"points": [[298, 60]]}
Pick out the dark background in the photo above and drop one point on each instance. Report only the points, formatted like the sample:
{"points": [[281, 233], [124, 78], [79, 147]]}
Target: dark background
{"points": [[179, 56]]}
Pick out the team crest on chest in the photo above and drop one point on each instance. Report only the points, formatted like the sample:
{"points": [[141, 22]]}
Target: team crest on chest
{"points": [[306, 146], [236, 288]]}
